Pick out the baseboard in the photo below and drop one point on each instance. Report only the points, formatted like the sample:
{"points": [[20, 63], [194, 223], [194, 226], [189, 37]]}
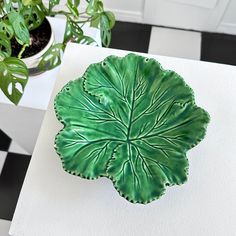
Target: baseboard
{"points": [[227, 28], [129, 16]]}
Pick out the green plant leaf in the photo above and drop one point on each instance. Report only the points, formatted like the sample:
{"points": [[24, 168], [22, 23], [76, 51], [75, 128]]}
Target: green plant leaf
{"points": [[20, 29], [1, 7], [2, 56], [72, 8], [76, 2], [52, 58], [106, 21], [131, 121], [95, 21], [7, 6], [105, 30], [53, 3], [33, 15], [31, 2], [5, 46], [27, 2], [83, 39], [73, 31], [13, 78], [94, 6], [110, 17], [6, 29]]}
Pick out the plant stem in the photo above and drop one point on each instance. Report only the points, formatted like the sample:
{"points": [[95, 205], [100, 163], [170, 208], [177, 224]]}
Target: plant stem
{"points": [[53, 13], [82, 21], [83, 24], [22, 50], [1, 11]]}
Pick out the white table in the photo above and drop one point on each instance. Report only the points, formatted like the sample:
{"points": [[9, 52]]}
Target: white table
{"points": [[22, 123], [53, 202]]}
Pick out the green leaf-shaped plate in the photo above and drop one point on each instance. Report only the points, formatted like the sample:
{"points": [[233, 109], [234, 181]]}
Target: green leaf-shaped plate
{"points": [[131, 121]]}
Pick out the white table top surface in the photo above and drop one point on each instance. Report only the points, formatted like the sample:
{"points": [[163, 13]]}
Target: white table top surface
{"points": [[39, 88], [53, 202]]}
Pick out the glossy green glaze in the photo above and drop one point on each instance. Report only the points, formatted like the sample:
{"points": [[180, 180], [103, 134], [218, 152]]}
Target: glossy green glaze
{"points": [[131, 121]]}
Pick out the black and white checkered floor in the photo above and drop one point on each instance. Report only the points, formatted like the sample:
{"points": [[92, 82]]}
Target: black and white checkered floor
{"points": [[13, 165], [128, 36]]}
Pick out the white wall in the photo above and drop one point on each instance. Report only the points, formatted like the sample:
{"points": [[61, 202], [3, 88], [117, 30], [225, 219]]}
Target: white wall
{"points": [[192, 14], [126, 10], [199, 3], [228, 22], [203, 15], [230, 14]]}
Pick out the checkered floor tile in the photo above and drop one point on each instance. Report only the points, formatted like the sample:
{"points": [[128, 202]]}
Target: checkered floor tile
{"points": [[14, 162]]}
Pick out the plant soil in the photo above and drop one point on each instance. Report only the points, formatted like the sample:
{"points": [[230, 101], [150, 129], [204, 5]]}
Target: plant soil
{"points": [[39, 38]]}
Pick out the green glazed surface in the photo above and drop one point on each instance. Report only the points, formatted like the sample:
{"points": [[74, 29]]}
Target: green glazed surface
{"points": [[131, 121]]}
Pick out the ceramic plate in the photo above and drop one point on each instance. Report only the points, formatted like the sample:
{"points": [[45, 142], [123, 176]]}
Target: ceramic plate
{"points": [[131, 121]]}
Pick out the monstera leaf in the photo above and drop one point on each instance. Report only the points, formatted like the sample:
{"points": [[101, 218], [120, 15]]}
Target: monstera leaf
{"points": [[131, 121], [72, 8], [94, 6], [73, 31], [83, 39], [19, 27], [13, 78], [107, 21], [6, 28], [52, 57], [33, 15], [31, 2], [5, 45], [53, 3]]}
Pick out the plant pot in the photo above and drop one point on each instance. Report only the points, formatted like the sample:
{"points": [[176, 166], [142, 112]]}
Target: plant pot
{"points": [[33, 61]]}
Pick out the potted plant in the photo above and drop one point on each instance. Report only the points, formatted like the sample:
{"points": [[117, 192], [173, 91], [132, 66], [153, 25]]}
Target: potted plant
{"points": [[26, 38]]}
